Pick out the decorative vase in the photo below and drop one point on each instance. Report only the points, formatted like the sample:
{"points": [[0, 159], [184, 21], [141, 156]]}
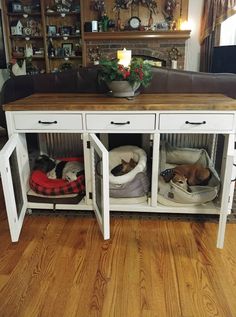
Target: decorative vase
{"points": [[123, 88]]}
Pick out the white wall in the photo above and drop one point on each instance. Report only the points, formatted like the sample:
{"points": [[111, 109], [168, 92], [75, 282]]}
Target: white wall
{"points": [[192, 53]]}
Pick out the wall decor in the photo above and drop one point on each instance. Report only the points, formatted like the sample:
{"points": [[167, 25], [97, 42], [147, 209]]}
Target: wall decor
{"points": [[125, 4], [67, 48], [3, 63], [99, 6], [52, 30]]}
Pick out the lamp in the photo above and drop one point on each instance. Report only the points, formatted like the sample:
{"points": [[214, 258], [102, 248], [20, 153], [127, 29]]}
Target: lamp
{"points": [[184, 25], [124, 57]]}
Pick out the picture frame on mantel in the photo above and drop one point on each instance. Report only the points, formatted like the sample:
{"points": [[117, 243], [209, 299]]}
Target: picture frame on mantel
{"points": [[3, 63]]}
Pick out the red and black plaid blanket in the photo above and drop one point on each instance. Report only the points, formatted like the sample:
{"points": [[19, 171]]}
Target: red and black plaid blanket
{"points": [[41, 184]]}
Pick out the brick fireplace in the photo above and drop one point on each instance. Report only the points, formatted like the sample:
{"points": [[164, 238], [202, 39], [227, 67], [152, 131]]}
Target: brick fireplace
{"points": [[148, 45]]}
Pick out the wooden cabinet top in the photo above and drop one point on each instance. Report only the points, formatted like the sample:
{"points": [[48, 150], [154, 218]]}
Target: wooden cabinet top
{"points": [[143, 102]]}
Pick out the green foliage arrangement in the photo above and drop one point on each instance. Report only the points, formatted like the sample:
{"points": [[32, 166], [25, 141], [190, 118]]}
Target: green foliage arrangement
{"points": [[139, 71]]}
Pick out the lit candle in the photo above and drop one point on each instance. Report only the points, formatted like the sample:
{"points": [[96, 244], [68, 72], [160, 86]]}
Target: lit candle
{"points": [[124, 57], [185, 25]]}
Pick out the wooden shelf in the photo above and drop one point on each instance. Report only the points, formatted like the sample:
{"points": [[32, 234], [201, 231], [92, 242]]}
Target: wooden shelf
{"points": [[61, 14], [26, 37], [21, 14], [135, 35], [61, 37], [65, 58]]}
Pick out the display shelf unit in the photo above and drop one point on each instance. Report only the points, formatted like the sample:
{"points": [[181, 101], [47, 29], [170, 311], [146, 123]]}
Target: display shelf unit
{"points": [[27, 34]]}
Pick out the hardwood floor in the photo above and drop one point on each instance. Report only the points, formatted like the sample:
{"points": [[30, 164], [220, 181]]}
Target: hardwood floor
{"points": [[150, 267]]}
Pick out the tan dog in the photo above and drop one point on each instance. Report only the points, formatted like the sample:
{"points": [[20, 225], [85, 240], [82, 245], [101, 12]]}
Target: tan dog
{"points": [[181, 181], [124, 167], [194, 174]]}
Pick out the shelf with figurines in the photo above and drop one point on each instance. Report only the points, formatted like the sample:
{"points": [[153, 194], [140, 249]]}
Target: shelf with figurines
{"points": [[25, 37], [57, 32], [63, 8], [26, 28]]}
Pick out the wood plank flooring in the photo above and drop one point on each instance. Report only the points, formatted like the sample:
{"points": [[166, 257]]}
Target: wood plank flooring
{"points": [[150, 268]]}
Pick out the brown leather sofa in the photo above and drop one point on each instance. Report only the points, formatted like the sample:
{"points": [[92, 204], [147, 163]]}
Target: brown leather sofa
{"points": [[85, 81]]}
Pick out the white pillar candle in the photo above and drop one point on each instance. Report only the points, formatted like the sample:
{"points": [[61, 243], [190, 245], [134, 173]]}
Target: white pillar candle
{"points": [[174, 64], [124, 57]]}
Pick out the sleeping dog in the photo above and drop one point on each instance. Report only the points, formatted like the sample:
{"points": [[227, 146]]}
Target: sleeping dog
{"points": [[124, 167], [193, 174], [68, 170]]}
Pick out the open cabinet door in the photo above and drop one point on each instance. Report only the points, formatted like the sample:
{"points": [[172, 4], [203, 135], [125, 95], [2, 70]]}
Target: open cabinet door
{"points": [[13, 177], [226, 183], [100, 184]]}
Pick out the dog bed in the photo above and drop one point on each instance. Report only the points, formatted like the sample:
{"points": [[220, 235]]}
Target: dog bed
{"points": [[41, 184], [134, 183], [171, 194]]}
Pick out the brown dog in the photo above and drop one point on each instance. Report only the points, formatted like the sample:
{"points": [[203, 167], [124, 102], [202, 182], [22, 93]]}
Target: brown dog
{"points": [[124, 167], [195, 174]]}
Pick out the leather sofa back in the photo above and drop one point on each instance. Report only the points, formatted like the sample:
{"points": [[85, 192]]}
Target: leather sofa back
{"points": [[85, 80], [176, 81]]}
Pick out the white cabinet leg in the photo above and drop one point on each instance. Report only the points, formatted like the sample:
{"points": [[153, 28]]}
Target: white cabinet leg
{"points": [[221, 231]]}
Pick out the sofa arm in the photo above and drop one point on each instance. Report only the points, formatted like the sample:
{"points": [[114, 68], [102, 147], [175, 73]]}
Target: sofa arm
{"points": [[13, 89]]}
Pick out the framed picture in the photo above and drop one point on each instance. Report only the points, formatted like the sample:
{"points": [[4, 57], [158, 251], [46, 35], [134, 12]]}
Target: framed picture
{"points": [[67, 47], [66, 30], [3, 63], [52, 30], [16, 7]]}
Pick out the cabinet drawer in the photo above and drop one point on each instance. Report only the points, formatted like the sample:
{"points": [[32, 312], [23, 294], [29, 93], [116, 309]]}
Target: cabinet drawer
{"points": [[196, 122], [120, 122], [51, 121]]}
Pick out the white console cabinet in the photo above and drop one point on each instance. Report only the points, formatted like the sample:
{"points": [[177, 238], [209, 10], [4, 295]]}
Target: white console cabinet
{"points": [[93, 119]]}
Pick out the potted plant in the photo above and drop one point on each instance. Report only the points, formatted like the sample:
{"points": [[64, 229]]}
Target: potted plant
{"points": [[124, 81]]}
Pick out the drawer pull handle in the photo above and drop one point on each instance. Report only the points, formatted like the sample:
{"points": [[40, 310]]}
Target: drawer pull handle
{"points": [[47, 122], [195, 123], [120, 123]]}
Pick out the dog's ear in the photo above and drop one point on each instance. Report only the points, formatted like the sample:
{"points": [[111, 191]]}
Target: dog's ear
{"points": [[132, 163], [167, 174]]}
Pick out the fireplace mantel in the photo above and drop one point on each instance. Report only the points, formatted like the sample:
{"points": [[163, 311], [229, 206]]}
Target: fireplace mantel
{"points": [[150, 44], [136, 35]]}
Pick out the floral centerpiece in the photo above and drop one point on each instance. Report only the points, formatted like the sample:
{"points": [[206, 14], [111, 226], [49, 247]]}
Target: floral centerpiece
{"points": [[124, 81]]}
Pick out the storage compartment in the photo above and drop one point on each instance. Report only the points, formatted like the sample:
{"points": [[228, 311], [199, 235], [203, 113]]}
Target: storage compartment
{"points": [[187, 176], [119, 122], [196, 122], [67, 148], [48, 121], [128, 172], [130, 158]]}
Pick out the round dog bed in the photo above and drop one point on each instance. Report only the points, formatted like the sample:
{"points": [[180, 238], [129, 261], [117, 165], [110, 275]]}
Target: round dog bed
{"points": [[134, 183], [41, 184], [171, 194]]}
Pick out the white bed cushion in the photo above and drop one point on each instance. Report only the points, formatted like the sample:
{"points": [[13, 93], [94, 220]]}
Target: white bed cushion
{"points": [[126, 152]]}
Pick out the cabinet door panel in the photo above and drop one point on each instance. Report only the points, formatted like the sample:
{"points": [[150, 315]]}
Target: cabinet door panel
{"points": [[100, 184], [12, 180]]}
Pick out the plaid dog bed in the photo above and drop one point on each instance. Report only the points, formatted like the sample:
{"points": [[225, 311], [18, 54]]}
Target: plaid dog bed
{"points": [[41, 184]]}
